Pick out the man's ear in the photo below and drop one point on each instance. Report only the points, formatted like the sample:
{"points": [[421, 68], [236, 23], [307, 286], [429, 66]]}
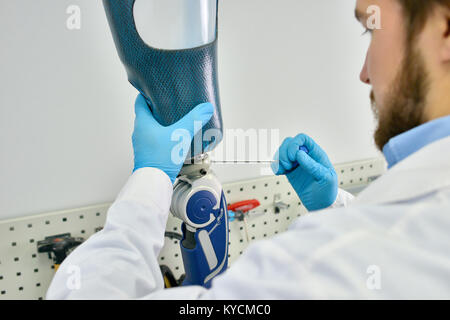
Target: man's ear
{"points": [[448, 27], [446, 40]]}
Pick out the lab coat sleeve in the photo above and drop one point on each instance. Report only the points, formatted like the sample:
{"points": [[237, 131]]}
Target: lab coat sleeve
{"points": [[343, 199], [120, 262]]}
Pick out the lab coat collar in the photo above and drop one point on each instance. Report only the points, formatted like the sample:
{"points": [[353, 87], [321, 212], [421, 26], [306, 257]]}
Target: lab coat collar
{"points": [[422, 173], [405, 144]]}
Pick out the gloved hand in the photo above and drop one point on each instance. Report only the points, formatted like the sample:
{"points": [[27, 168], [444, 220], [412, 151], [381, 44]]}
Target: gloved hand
{"points": [[162, 147], [311, 174]]}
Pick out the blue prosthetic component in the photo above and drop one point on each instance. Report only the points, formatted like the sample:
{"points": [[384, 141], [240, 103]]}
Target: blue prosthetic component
{"points": [[172, 81], [205, 252], [231, 215], [305, 149]]}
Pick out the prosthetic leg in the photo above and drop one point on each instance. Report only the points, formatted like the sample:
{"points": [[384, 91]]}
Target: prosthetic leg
{"points": [[198, 200], [174, 80]]}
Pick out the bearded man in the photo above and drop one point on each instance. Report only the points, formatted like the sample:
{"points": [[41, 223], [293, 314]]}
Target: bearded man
{"points": [[391, 241]]}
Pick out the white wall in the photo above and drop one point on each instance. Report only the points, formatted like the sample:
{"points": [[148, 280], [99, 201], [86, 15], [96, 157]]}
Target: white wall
{"points": [[66, 108]]}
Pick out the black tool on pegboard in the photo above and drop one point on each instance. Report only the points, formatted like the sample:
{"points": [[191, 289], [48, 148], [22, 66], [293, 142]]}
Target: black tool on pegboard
{"points": [[58, 247]]}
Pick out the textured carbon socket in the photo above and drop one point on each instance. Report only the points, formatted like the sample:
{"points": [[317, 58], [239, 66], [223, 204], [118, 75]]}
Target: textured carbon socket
{"points": [[173, 81]]}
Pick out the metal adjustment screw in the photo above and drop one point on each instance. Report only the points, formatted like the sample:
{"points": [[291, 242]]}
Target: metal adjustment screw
{"points": [[278, 204]]}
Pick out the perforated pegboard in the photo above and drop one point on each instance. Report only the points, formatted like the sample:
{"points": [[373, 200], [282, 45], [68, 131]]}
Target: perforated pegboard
{"points": [[26, 274]]}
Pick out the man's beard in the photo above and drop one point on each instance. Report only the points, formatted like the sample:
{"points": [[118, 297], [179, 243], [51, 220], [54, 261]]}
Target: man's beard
{"points": [[403, 108]]}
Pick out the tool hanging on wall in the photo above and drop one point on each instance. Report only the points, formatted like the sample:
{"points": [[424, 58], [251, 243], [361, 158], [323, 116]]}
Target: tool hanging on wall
{"points": [[58, 247], [169, 279], [240, 210]]}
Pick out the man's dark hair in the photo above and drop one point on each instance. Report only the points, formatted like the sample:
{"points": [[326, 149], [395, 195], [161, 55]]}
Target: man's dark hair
{"points": [[416, 14]]}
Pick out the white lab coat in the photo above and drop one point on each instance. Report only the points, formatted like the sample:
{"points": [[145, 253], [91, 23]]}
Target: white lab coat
{"points": [[392, 242]]}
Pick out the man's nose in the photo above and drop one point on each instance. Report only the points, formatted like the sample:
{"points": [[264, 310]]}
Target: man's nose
{"points": [[364, 75]]}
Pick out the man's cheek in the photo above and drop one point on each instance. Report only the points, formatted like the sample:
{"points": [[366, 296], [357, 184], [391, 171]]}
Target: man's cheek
{"points": [[381, 76]]}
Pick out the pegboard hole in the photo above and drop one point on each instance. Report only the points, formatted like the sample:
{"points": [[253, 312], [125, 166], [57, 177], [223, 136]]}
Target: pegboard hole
{"points": [[16, 259], [30, 225], [1, 277], [253, 238], [64, 219], [36, 270], [276, 220], [18, 274], [82, 231], [13, 244], [31, 240], [47, 222], [241, 189], [254, 187], [38, 284], [3, 292], [20, 288], [97, 214], [278, 182], [228, 191], [33, 255], [81, 217], [177, 268], [11, 228], [266, 185], [265, 198]]}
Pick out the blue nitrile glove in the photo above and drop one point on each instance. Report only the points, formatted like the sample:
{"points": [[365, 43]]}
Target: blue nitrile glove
{"points": [[162, 147], [311, 174]]}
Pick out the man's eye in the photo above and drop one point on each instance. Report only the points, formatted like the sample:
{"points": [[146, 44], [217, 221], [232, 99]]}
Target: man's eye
{"points": [[366, 31]]}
